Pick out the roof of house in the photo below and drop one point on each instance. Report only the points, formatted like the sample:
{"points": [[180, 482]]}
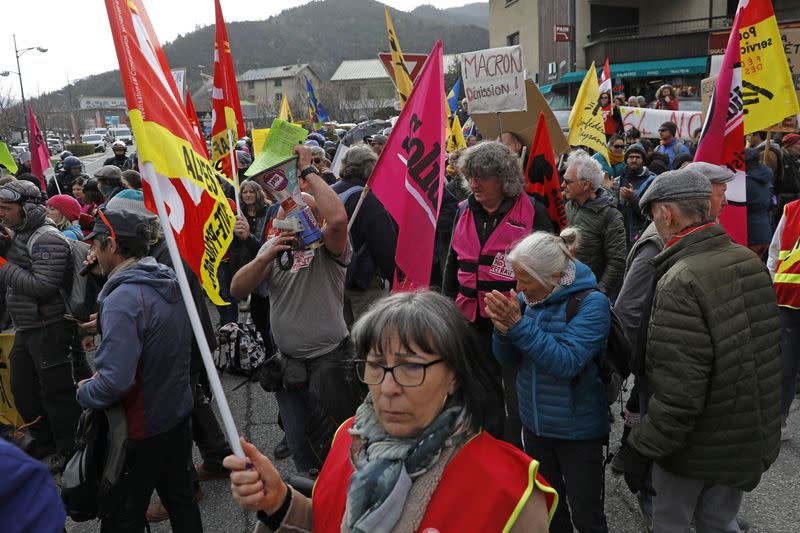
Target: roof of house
{"points": [[371, 69], [271, 73]]}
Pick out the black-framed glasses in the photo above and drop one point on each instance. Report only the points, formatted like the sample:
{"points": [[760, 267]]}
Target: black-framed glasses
{"points": [[404, 374]]}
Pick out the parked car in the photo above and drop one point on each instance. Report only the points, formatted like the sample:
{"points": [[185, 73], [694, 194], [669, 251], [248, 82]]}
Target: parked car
{"points": [[123, 133], [96, 139], [54, 145]]}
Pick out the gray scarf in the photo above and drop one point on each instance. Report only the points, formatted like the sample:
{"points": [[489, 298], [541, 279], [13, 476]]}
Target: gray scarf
{"points": [[386, 466]]}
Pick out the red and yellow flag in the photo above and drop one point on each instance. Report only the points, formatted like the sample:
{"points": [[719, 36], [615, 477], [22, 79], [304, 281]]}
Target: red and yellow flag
{"points": [[226, 111], [199, 214], [191, 114]]}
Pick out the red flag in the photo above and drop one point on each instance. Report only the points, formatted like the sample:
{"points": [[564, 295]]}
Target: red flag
{"points": [[191, 114], [226, 110], [409, 176], [199, 214], [605, 79], [722, 137], [541, 177], [40, 155]]}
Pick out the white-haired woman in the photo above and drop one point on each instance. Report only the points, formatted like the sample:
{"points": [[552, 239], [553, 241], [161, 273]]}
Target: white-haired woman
{"points": [[497, 214], [554, 330]]}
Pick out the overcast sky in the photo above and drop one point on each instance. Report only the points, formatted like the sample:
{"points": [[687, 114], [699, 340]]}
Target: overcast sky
{"points": [[78, 39]]}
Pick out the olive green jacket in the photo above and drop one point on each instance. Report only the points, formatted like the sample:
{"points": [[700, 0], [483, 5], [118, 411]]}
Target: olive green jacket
{"points": [[713, 363]]}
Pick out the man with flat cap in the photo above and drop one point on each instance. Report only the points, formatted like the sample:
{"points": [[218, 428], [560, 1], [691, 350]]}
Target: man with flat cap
{"points": [[713, 365], [109, 181], [719, 177], [143, 362]]}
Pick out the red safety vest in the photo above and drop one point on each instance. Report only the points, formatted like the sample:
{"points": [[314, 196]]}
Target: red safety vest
{"points": [[482, 270], [787, 271], [483, 488]]}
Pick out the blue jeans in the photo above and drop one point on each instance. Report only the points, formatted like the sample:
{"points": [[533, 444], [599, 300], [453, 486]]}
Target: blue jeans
{"points": [[293, 406], [227, 313]]}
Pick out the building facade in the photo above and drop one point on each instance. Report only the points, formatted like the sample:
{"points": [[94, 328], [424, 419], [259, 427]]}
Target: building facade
{"points": [[266, 87]]}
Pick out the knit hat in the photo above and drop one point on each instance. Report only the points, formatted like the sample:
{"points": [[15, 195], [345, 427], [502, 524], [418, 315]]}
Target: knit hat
{"points": [[714, 173], [66, 205], [638, 148], [675, 185], [130, 200], [790, 139]]}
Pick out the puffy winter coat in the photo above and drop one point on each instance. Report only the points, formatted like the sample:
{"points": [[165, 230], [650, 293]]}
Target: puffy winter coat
{"points": [[759, 198], [713, 363], [603, 245], [561, 394], [33, 281]]}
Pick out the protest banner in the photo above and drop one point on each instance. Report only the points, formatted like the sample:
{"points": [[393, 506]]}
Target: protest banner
{"points": [[191, 114], [722, 137], [494, 80], [179, 75], [586, 119], [541, 177], [706, 91], [409, 176], [8, 410], [790, 37], [523, 123], [282, 137], [648, 120], [176, 175]]}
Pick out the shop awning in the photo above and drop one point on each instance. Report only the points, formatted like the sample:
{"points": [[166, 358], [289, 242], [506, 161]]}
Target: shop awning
{"points": [[647, 69], [544, 89]]}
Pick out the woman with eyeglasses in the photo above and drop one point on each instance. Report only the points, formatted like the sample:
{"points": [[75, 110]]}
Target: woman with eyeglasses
{"points": [[612, 118], [615, 164], [414, 457]]}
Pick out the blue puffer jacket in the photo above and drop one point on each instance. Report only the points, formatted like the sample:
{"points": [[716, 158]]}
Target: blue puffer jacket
{"points": [[560, 391]]}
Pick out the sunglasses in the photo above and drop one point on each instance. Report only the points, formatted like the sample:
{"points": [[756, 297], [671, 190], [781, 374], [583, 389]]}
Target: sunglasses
{"points": [[618, 146], [663, 129]]}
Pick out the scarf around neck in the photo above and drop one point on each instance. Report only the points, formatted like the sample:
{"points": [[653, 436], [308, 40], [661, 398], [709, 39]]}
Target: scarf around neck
{"points": [[385, 466], [615, 159]]}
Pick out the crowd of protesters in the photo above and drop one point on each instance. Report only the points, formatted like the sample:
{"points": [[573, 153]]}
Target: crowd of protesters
{"points": [[495, 377]]}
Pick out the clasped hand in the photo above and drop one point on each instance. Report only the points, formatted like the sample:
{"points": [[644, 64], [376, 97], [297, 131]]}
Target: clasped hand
{"points": [[503, 310]]}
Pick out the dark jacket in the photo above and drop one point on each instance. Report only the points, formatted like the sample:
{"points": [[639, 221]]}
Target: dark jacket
{"points": [[33, 282], [143, 358], [373, 236], [635, 298], [560, 391], [65, 180], [713, 363], [759, 198], [603, 246], [122, 162], [244, 251], [632, 216]]}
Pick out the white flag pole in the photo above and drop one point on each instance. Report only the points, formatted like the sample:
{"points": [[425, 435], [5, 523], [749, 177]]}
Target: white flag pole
{"points": [[194, 317], [234, 170]]}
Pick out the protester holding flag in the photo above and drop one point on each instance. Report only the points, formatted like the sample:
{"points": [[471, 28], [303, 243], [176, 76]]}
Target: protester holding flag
{"points": [[666, 98], [497, 214], [415, 448], [612, 118]]}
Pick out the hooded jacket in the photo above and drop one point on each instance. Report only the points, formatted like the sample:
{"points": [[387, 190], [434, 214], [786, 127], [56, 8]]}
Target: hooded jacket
{"points": [[143, 358], [713, 363], [561, 394], [635, 221], [603, 246], [33, 281]]}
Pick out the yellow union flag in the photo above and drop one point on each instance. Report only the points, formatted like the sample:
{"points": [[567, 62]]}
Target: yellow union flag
{"points": [[401, 78], [455, 138], [586, 120], [767, 89], [285, 112]]}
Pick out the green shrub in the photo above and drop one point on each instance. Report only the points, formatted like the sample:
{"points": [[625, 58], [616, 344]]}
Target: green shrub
{"points": [[81, 149]]}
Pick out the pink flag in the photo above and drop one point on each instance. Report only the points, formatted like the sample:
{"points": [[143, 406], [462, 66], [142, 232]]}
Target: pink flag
{"points": [[409, 176], [40, 155], [722, 138]]}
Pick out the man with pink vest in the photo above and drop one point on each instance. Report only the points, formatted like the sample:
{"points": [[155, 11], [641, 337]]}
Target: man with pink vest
{"points": [[496, 216]]}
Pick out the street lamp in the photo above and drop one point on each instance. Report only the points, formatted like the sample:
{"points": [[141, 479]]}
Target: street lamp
{"points": [[18, 52]]}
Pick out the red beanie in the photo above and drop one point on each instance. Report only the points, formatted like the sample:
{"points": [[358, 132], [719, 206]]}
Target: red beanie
{"points": [[790, 139], [67, 205]]}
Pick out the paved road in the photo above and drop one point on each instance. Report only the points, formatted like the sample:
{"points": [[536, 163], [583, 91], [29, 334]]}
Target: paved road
{"points": [[772, 508]]}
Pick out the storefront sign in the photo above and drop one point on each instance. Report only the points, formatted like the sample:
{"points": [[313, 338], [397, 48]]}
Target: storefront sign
{"points": [[647, 121], [562, 33]]}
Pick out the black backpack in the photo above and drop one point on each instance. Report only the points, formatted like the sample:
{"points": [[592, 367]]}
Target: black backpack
{"points": [[89, 483], [615, 368]]}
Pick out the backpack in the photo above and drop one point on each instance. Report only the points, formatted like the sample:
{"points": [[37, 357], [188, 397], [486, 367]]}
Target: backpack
{"points": [[90, 483], [615, 367], [78, 303], [240, 349]]}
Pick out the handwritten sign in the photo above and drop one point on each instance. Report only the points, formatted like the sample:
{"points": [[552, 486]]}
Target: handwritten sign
{"points": [[647, 120], [494, 80]]}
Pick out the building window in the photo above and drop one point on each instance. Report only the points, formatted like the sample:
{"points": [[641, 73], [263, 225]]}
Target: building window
{"points": [[513, 39], [251, 84], [277, 83]]}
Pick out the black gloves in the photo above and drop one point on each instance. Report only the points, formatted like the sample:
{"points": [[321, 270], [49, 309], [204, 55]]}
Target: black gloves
{"points": [[637, 467]]}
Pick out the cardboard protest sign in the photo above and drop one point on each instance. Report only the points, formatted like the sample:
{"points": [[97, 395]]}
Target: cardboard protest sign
{"points": [[706, 91], [494, 80], [524, 122], [647, 120], [790, 37]]}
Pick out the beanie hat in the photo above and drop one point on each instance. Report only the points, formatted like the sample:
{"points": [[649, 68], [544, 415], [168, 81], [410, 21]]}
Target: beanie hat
{"points": [[66, 205], [638, 148], [790, 139], [130, 200]]}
